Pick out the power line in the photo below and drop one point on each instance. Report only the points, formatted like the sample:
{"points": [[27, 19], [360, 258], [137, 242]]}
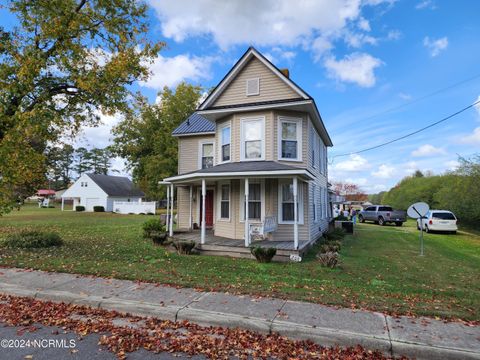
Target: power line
{"points": [[410, 134], [421, 98]]}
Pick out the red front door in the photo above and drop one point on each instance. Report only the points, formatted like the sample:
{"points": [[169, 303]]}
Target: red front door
{"points": [[209, 209]]}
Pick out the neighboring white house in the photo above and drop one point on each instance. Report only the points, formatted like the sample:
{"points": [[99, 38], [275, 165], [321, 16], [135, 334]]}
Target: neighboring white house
{"points": [[101, 190]]}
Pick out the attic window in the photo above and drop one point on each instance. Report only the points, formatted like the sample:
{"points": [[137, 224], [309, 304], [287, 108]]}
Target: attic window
{"points": [[253, 86]]}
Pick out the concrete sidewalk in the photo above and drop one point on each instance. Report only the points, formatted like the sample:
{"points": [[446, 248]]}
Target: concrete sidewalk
{"points": [[422, 338]]}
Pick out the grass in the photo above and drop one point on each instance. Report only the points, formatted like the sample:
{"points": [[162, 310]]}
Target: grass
{"points": [[380, 266]]}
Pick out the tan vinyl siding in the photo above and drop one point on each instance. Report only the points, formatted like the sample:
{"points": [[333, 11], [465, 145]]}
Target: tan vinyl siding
{"points": [[276, 140], [183, 207], [271, 86], [188, 148]]}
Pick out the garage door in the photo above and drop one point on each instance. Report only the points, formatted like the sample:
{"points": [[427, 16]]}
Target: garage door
{"points": [[91, 202]]}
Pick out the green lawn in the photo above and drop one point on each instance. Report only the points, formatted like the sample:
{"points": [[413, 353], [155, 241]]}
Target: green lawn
{"points": [[380, 269]]}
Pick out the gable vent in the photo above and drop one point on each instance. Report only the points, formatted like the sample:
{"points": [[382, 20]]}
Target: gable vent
{"points": [[253, 87]]}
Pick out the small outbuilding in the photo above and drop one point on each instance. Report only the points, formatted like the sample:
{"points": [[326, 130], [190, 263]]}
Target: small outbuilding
{"points": [[101, 190]]}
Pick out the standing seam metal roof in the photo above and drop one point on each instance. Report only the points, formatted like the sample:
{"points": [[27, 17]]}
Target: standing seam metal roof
{"points": [[195, 124]]}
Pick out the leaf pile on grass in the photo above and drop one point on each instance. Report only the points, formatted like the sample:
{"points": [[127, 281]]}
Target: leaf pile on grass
{"points": [[166, 336], [32, 239]]}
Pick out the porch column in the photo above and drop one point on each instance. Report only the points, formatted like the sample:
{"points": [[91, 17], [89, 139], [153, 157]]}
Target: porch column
{"points": [[63, 202], [171, 209], [190, 213], [247, 230], [295, 214], [204, 193], [167, 222]]}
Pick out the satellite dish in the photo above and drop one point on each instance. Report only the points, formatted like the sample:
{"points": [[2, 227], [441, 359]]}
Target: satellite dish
{"points": [[418, 210]]}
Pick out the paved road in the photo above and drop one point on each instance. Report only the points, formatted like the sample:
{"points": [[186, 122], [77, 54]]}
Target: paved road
{"points": [[85, 348]]}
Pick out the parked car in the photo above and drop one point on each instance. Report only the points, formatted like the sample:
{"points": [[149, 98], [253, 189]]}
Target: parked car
{"points": [[382, 214], [439, 220]]}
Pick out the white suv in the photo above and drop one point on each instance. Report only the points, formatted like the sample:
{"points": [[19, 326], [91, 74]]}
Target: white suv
{"points": [[439, 220]]}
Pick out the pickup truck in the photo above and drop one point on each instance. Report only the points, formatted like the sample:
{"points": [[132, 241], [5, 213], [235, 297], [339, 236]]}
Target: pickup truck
{"points": [[382, 214]]}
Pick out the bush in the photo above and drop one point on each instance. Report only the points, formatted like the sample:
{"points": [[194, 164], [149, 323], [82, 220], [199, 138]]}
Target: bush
{"points": [[79, 208], [184, 247], [263, 255], [333, 246], [154, 229], [98, 208], [334, 235], [328, 259], [33, 239]]}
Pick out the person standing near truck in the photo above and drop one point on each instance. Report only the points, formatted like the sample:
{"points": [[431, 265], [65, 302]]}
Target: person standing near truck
{"points": [[353, 215]]}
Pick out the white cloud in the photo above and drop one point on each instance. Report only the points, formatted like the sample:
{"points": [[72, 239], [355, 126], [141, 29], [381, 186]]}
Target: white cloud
{"points": [[320, 46], [355, 163], [384, 171], [170, 71], [266, 23], [98, 136], [359, 181], [435, 46], [364, 24], [394, 35], [405, 96], [452, 164], [477, 107], [428, 150], [426, 4], [354, 68], [357, 40], [473, 138]]}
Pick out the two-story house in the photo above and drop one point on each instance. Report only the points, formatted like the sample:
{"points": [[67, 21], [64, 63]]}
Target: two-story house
{"points": [[253, 160]]}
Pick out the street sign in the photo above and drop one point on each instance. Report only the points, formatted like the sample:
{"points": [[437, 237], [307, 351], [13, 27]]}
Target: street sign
{"points": [[418, 210]]}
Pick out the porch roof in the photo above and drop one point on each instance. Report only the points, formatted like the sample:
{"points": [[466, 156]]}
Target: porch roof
{"points": [[244, 169]]}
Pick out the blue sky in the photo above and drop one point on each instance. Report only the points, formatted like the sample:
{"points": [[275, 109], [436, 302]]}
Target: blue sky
{"points": [[358, 59]]}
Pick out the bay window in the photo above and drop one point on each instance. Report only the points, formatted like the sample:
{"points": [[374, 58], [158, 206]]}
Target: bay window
{"points": [[286, 202], [256, 195], [225, 201], [206, 155], [225, 134]]}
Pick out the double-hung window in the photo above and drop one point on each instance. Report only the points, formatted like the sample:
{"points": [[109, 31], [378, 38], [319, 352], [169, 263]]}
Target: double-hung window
{"points": [[290, 139], [225, 138], [225, 201], [207, 155], [313, 143], [286, 201], [252, 139]]}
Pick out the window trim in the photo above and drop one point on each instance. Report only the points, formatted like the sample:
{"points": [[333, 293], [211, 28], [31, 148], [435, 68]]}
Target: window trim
{"points": [[219, 200], [244, 120], [246, 87], [242, 200], [200, 152], [299, 124], [300, 200], [220, 139]]}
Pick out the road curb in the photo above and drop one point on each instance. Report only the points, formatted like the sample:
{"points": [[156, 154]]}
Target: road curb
{"points": [[322, 336]]}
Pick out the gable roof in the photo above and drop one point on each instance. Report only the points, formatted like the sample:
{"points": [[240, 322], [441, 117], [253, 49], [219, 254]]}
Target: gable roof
{"points": [[116, 185], [195, 124], [241, 63]]}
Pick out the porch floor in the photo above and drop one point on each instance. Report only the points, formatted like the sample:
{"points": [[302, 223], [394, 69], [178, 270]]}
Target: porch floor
{"points": [[212, 240]]}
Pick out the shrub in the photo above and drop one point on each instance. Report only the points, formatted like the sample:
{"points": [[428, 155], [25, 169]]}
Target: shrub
{"points": [[98, 208], [333, 246], [33, 239], [263, 255], [334, 235], [184, 247], [79, 208], [328, 259], [154, 229]]}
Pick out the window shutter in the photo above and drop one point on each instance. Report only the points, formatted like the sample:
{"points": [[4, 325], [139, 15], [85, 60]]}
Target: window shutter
{"points": [[253, 87]]}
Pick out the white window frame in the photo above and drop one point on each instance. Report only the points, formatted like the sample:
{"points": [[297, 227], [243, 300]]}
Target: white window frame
{"points": [[300, 187], [243, 121], [246, 87], [219, 200], [298, 122], [242, 199], [220, 141], [200, 152], [315, 204]]}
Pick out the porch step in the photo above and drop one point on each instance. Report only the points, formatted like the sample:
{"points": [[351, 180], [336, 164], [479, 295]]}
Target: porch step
{"points": [[243, 252]]}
